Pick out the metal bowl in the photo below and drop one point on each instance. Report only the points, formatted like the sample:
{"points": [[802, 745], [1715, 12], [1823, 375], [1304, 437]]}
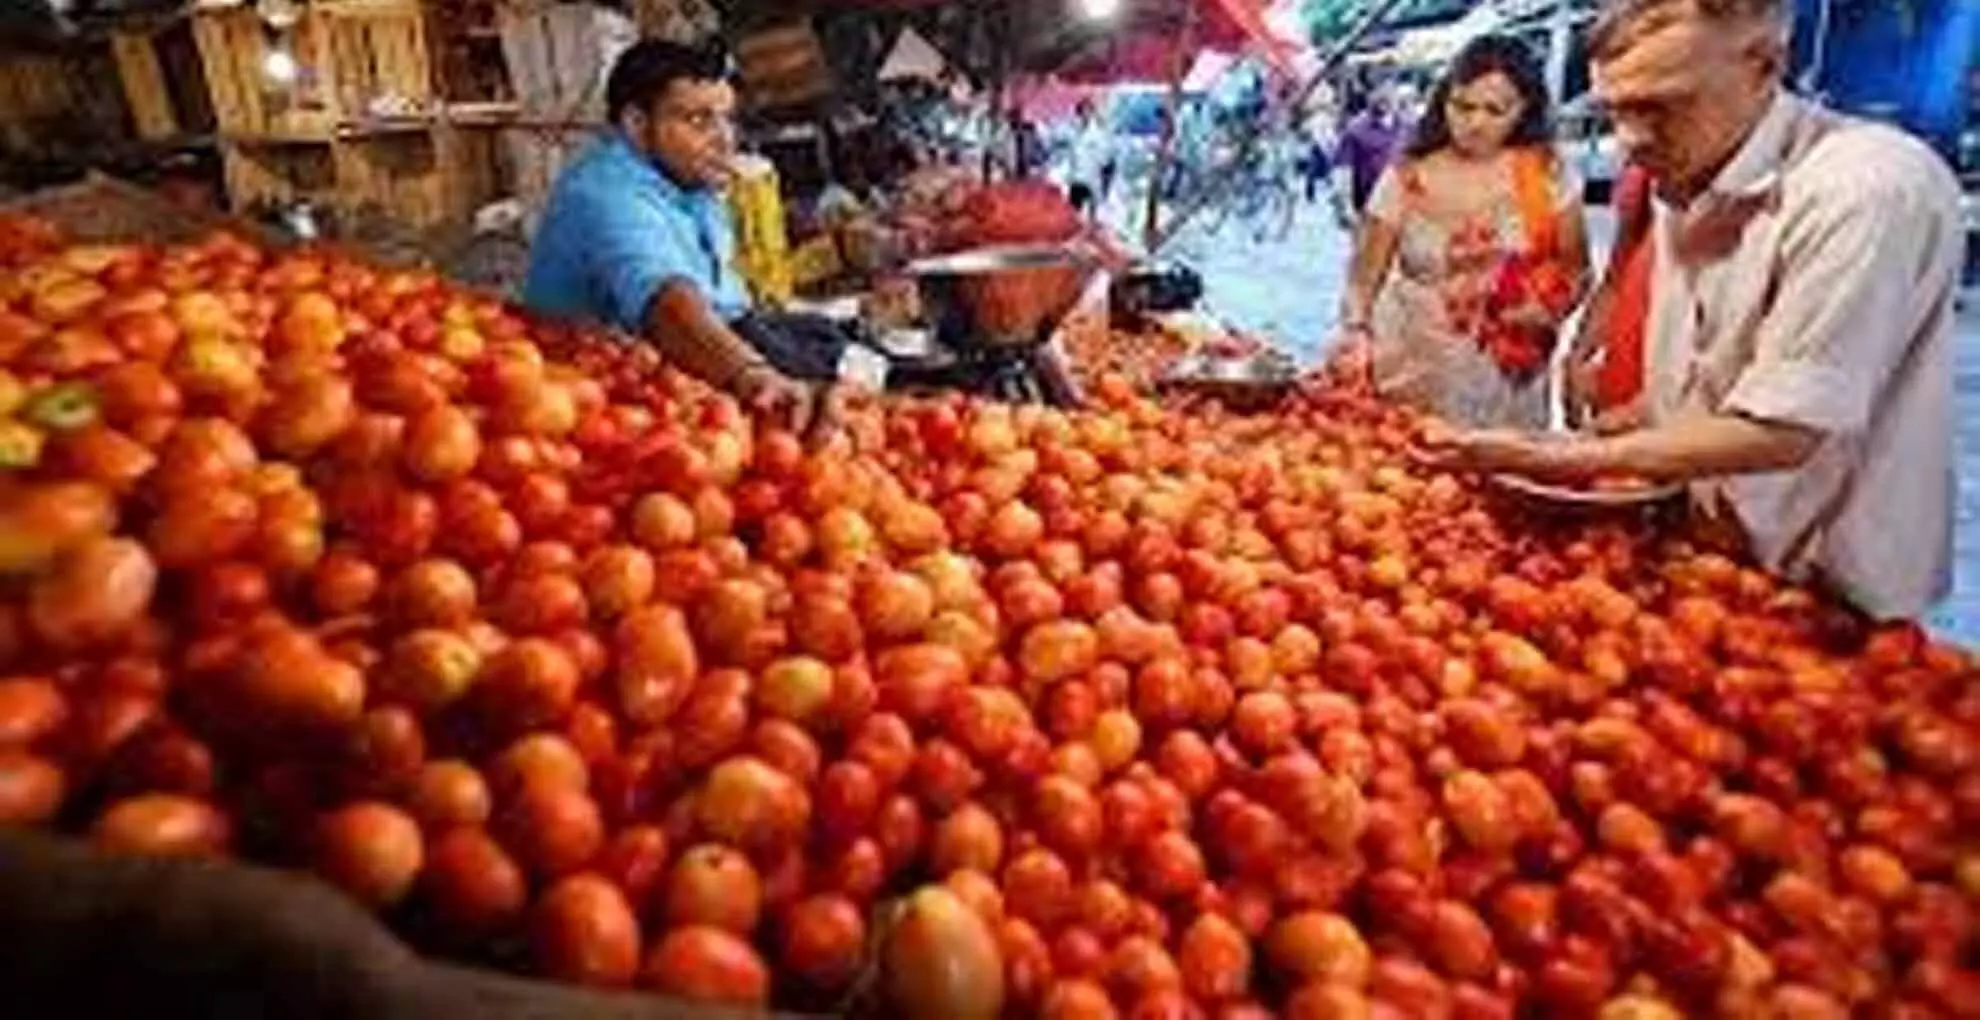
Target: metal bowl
{"points": [[1247, 383], [1006, 296]]}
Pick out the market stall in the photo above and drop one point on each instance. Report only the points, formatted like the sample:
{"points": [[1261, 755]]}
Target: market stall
{"points": [[558, 663], [369, 647]]}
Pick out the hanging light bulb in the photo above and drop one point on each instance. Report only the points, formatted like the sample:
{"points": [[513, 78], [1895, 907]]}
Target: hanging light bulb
{"points": [[1099, 10], [280, 66]]}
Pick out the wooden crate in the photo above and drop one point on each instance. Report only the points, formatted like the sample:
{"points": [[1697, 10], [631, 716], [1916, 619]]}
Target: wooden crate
{"points": [[422, 177], [145, 91], [52, 104], [233, 48], [377, 48], [259, 172], [351, 52]]}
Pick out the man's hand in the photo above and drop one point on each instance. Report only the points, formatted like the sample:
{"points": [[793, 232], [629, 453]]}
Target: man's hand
{"points": [[809, 409], [1509, 452]]}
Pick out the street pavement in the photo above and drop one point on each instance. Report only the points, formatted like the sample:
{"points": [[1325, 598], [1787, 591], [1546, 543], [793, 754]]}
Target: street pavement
{"points": [[1288, 292]]}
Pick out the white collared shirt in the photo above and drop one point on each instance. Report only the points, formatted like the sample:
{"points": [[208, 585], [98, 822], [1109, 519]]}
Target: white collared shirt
{"points": [[1812, 284]]}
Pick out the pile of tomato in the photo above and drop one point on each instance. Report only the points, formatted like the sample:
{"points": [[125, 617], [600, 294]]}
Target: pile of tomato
{"points": [[1139, 357], [522, 638]]}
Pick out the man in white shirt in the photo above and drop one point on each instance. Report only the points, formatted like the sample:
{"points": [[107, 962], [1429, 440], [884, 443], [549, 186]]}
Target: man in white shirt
{"points": [[1799, 348]]}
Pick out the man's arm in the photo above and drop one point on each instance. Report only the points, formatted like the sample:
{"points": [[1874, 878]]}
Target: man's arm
{"points": [[1697, 446], [1837, 331], [680, 325]]}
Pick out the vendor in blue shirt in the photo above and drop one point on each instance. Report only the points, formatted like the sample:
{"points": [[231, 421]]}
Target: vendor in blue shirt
{"points": [[637, 235]]}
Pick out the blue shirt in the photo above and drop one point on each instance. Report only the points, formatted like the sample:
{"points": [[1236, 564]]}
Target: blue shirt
{"points": [[616, 230]]}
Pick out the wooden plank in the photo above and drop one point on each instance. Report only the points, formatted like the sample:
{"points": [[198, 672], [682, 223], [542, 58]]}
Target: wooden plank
{"points": [[145, 92], [235, 94]]}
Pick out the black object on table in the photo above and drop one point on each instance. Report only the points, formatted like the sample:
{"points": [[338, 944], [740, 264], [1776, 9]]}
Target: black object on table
{"points": [[1001, 371]]}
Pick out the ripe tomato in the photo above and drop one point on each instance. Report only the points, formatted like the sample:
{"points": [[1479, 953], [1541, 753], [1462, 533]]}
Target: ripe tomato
{"points": [[473, 886], [583, 931], [823, 940], [704, 964], [711, 884], [441, 443], [163, 824], [916, 681], [552, 829], [371, 851], [539, 603], [748, 803], [432, 593], [31, 708], [1171, 866], [635, 861], [429, 669], [447, 794], [31, 788], [530, 682], [538, 758], [968, 838], [1038, 887], [617, 579]]}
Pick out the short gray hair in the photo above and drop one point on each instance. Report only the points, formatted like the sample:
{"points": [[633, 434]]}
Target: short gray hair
{"points": [[1614, 22]]}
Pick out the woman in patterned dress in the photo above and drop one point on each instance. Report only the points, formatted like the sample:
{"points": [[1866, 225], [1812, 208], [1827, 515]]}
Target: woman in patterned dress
{"points": [[1473, 251]]}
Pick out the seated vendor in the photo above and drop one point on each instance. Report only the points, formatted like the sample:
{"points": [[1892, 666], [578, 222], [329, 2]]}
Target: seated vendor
{"points": [[637, 235]]}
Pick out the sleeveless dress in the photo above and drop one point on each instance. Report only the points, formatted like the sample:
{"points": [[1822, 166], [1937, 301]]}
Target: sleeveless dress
{"points": [[1435, 322]]}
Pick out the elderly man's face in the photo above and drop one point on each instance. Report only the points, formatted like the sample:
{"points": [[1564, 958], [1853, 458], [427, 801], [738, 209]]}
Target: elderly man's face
{"points": [[1682, 88]]}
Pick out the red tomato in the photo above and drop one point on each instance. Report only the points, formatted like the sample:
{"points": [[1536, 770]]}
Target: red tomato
{"points": [[441, 443], [967, 838], [1215, 959], [31, 708], [31, 788], [823, 941], [788, 749], [583, 931], [1077, 999], [530, 682], [539, 603], [714, 885], [552, 829], [1038, 887], [1172, 866], [432, 593], [383, 754], [538, 758], [848, 796], [748, 803], [473, 886], [447, 794], [703, 964], [372, 851], [899, 828], [342, 583], [163, 824], [635, 861]]}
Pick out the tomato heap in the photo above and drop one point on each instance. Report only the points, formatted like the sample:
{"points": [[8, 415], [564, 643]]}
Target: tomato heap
{"points": [[1138, 356], [524, 639]]}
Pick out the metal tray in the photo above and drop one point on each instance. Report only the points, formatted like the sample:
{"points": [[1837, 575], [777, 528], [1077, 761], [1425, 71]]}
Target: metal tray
{"points": [[997, 259], [1581, 496]]}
